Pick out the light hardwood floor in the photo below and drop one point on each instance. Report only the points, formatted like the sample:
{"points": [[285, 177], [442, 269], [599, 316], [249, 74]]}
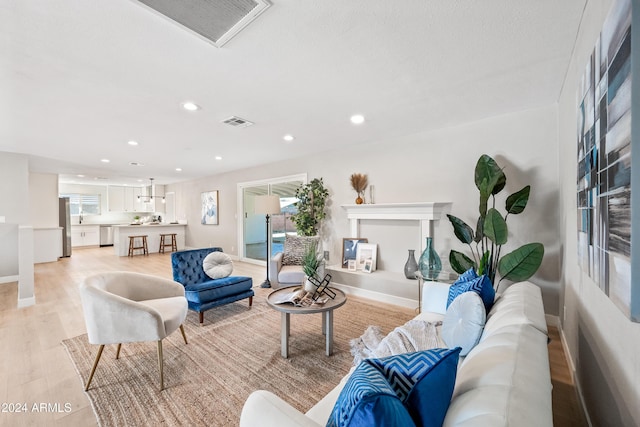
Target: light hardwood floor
{"points": [[35, 368]]}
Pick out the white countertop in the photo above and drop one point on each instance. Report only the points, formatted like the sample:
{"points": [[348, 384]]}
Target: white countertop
{"points": [[148, 225]]}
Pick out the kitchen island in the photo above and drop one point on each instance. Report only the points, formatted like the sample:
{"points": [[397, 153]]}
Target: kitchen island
{"points": [[121, 235]]}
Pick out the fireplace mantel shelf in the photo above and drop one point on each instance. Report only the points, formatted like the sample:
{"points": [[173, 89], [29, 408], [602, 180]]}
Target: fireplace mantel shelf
{"points": [[394, 211], [426, 213]]}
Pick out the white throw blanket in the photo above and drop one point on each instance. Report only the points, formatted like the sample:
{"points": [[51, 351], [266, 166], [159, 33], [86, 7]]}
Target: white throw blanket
{"points": [[415, 335]]}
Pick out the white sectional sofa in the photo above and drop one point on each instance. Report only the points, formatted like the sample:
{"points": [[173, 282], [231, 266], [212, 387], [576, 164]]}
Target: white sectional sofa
{"points": [[503, 381]]}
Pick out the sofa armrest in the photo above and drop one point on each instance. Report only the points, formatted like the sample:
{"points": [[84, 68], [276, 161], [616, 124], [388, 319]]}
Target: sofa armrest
{"points": [[265, 409], [435, 296]]}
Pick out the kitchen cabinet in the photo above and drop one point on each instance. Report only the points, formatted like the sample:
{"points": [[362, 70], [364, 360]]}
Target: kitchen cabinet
{"points": [[158, 199], [116, 198], [85, 235], [125, 199]]}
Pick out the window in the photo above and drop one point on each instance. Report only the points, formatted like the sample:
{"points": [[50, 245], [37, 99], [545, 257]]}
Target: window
{"points": [[85, 204]]}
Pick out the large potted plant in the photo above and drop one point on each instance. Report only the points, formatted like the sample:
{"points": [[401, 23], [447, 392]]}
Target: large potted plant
{"points": [[491, 231], [310, 205]]}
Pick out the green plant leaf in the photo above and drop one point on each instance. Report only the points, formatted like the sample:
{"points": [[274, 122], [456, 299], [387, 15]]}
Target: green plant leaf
{"points": [[522, 263], [495, 227], [489, 176], [463, 232], [479, 230], [460, 262], [518, 200], [484, 267]]}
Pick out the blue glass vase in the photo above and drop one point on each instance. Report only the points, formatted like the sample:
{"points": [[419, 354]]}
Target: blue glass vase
{"points": [[430, 264]]}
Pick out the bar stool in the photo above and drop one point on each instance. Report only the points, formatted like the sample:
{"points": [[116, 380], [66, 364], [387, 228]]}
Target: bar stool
{"points": [[133, 247], [164, 243]]}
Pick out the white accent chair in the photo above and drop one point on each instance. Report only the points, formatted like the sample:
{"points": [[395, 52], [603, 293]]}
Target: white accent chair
{"points": [[122, 307]]}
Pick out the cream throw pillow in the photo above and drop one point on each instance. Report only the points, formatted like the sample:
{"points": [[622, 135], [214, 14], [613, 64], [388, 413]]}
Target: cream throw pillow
{"points": [[217, 265]]}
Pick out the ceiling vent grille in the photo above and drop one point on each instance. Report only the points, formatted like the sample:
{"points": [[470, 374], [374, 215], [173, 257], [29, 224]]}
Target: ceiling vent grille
{"points": [[217, 21], [237, 122]]}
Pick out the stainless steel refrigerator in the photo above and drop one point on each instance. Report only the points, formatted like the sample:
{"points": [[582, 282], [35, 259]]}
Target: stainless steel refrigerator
{"points": [[65, 222]]}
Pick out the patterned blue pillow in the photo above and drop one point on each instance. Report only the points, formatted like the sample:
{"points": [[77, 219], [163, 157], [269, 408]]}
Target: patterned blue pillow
{"points": [[421, 383], [480, 285], [367, 399], [424, 382], [466, 276]]}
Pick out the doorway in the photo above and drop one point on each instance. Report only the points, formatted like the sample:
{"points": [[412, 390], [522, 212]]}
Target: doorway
{"points": [[252, 233]]}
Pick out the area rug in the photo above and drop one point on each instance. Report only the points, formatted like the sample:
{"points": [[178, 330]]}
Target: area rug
{"points": [[235, 352]]}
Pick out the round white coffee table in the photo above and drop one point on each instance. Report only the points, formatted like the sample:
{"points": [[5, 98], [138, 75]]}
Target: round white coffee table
{"points": [[287, 309]]}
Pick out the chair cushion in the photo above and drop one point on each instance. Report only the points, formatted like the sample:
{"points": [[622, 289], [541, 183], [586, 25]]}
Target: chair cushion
{"points": [[422, 381], [291, 274], [217, 265], [212, 290], [295, 247], [172, 310], [480, 285], [464, 322]]}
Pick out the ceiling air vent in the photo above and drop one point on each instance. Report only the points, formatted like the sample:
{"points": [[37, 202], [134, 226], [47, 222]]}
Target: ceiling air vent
{"points": [[237, 122], [217, 21]]}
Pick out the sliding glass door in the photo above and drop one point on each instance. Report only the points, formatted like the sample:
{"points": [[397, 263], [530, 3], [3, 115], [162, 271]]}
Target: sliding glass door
{"points": [[253, 233]]}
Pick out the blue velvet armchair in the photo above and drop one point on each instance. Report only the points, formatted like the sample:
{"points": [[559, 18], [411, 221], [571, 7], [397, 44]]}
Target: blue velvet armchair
{"points": [[202, 292]]}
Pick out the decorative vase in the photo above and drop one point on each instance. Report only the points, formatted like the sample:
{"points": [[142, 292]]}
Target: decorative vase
{"points": [[411, 266], [430, 265], [360, 199], [308, 286]]}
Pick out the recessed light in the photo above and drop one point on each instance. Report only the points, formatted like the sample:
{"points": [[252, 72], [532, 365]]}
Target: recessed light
{"points": [[218, 157], [80, 176], [132, 142], [178, 169], [288, 138], [357, 119], [190, 106], [105, 160]]}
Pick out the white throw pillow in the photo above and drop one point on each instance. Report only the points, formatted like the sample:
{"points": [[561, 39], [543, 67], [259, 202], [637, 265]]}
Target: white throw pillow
{"points": [[217, 265], [464, 321]]}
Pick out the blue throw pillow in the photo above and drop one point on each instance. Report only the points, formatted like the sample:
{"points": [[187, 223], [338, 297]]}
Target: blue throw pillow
{"points": [[367, 399], [424, 382], [415, 387], [466, 276], [480, 285]]}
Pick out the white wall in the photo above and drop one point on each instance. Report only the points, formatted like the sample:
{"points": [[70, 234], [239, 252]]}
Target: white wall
{"points": [[14, 206], [604, 345], [435, 166], [43, 200], [14, 188]]}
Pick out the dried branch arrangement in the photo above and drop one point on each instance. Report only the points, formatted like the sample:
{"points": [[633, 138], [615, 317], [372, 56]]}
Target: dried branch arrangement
{"points": [[359, 182]]}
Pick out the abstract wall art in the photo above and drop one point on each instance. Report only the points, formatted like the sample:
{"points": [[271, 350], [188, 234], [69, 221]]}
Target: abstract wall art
{"points": [[605, 164], [209, 201]]}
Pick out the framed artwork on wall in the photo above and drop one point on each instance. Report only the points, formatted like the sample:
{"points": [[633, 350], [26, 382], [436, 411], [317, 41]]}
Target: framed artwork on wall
{"points": [[366, 252], [209, 201], [606, 159], [350, 249]]}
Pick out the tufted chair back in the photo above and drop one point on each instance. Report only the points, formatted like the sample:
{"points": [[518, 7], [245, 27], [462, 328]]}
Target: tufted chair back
{"points": [[187, 265]]}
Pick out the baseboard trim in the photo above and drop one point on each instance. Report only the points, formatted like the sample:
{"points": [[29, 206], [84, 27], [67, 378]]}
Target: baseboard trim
{"points": [[26, 302], [377, 296], [552, 320], [574, 375], [8, 279]]}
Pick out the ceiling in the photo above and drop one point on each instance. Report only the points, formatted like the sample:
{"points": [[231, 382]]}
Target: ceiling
{"points": [[81, 78]]}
